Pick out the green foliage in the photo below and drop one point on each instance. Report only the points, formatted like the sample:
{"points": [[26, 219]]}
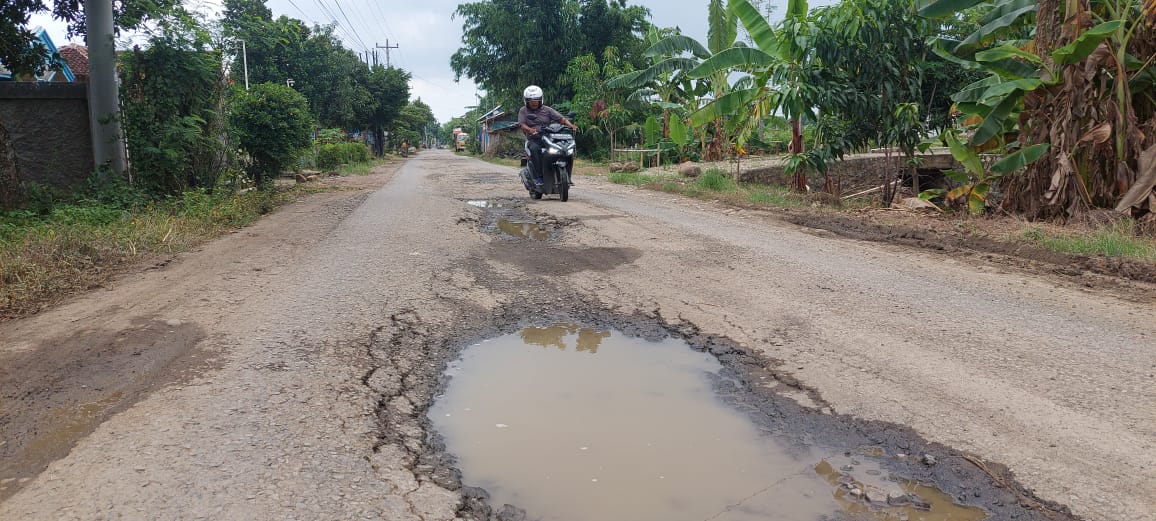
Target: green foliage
{"points": [[508, 44], [271, 122], [342, 92], [173, 98], [331, 135]]}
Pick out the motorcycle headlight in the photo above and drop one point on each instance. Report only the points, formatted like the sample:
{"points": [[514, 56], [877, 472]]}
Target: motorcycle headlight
{"points": [[555, 150]]}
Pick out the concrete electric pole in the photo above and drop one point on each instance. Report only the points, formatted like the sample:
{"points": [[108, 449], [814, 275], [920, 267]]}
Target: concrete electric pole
{"points": [[387, 47], [103, 91]]}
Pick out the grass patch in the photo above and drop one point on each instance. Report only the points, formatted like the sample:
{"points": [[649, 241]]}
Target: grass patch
{"points": [[1115, 240], [634, 179], [358, 168], [783, 197], [715, 180], [77, 246]]}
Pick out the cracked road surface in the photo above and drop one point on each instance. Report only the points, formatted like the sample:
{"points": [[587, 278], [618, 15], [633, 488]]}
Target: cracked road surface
{"points": [[283, 372]]}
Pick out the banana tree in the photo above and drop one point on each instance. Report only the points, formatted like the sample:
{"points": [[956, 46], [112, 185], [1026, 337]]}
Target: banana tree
{"points": [[775, 66], [1082, 84], [665, 83]]}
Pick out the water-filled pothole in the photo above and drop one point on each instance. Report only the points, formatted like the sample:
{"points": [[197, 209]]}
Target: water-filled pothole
{"points": [[524, 230], [577, 423], [484, 203]]}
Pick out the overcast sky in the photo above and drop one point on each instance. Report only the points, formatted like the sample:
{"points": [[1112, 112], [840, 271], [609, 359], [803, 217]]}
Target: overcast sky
{"points": [[426, 36]]}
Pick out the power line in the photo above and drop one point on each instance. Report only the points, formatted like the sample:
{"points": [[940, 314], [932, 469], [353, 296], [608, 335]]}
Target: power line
{"points": [[351, 27], [348, 35]]}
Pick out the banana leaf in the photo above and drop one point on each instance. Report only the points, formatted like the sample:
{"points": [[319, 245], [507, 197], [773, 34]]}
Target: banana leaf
{"points": [[761, 32], [742, 58], [677, 44], [1020, 159], [1083, 46], [937, 8], [976, 39], [734, 102]]}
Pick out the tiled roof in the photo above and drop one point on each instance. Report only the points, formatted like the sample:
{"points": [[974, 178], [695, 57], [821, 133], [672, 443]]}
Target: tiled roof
{"points": [[77, 58]]}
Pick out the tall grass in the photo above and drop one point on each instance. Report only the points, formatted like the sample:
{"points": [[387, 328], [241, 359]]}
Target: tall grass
{"points": [[715, 180], [1116, 240], [76, 246]]}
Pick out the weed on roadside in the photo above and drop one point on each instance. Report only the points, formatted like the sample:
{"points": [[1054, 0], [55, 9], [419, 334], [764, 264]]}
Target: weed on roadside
{"points": [[715, 180], [76, 246], [1114, 240]]}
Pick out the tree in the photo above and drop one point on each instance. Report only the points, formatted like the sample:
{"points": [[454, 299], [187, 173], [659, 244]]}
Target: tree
{"points": [[389, 90], [22, 53], [272, 122], [507, 44], [332, 78]]}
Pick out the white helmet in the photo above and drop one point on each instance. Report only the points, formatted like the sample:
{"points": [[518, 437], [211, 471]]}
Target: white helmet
{"points": [[533, 92]]}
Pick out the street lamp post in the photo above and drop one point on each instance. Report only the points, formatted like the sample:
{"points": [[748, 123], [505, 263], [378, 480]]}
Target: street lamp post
{"points": [[245, 62]]}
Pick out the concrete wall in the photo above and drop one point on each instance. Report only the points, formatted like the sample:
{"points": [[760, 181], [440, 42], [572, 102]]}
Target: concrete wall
{"points": [[47, 124]]}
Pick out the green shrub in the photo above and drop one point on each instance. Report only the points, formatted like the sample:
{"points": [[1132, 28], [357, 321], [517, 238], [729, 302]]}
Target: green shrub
{"points": [[271, 122], [328, 156], [355, 152]]}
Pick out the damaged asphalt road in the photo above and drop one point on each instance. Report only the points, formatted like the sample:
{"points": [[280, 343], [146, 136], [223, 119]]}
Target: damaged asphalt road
{"points": [[313, 343]]}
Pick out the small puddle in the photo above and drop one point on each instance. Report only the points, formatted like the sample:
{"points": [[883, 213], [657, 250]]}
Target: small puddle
{"points": [[524, 230], [482, 203], [861, 489]]}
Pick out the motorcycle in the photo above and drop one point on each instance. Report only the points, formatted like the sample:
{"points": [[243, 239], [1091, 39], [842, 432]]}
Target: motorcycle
{"points": [[557, 149]]}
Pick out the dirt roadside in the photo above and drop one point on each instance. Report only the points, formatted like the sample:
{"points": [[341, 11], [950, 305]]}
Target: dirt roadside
{"points": [[314, 341]]}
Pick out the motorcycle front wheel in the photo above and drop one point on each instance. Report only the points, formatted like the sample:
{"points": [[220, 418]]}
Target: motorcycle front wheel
{"points": [[564, 184]]}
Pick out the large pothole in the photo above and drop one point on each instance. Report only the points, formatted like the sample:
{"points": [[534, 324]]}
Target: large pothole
{"points": [[574, 423], [567, 421]]}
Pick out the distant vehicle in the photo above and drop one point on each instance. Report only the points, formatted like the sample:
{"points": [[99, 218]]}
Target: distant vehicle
{"points": [[460, 141]]}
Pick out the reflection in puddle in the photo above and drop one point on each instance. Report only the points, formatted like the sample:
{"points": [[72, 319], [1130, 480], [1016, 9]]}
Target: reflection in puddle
{"points": [[600, 426], [482, 203], [524, 230], [863, 492]]}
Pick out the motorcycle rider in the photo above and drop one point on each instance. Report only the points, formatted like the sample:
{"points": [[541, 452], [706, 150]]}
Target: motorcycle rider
{"points": [[531, 118]]}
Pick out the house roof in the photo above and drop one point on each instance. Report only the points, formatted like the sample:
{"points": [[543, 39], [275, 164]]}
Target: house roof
{"points": [[493, 114], [503, 126], [77, 58], [55, 66]]}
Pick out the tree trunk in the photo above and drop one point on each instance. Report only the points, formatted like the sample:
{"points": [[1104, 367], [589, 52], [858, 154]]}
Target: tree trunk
{"points": [[799, 180]]}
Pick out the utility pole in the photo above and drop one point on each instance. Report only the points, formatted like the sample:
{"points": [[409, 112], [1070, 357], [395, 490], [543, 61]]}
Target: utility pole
{"points": [[387, 47], [103, 92]]}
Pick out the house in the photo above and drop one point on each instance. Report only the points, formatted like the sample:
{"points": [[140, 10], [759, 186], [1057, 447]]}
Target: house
{"points": [[495, 126], [57, 70]]}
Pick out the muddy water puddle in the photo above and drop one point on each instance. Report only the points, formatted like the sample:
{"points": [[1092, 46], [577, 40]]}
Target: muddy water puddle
{"points": [[574, 423], [484, 203], [524, 230]]}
